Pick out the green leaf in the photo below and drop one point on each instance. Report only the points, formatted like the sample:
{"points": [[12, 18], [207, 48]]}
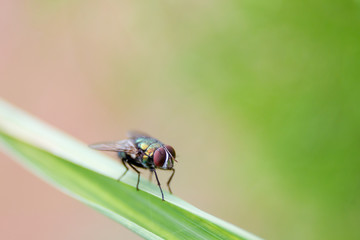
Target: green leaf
{"points": [[89, 176]]}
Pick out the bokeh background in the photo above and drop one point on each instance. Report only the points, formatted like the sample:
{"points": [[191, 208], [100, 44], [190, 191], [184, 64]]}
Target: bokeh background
{"points": [[259, 98]]}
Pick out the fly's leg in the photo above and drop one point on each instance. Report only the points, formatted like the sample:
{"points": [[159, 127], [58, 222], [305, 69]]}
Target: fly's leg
{"points": [[168, 182], [158, 182], [137, 185], [127, 169]]}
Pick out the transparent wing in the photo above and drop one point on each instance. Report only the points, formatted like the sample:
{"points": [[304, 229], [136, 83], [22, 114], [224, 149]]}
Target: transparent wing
{"points": [[119, 146], [137, 134]]}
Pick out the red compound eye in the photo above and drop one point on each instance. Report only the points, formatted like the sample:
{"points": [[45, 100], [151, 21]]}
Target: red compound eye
{"points": [[171, 150], [159, 157]]}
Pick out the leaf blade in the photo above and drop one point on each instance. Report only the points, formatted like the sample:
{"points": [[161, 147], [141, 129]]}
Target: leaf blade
{"points": [[141, 211]]}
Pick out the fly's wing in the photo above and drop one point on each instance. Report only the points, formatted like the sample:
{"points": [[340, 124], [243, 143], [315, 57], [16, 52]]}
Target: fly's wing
{"points": [[137, 134], [126, 146]]}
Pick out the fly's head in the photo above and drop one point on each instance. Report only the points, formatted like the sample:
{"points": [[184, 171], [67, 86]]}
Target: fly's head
{"points": [[164, 157]]}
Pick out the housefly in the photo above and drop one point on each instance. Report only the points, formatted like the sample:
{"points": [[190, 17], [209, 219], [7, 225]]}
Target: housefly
{"points": [[142, 151]]}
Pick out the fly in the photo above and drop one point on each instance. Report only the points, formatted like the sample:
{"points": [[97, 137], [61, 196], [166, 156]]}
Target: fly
{"points": [[142, 151]]}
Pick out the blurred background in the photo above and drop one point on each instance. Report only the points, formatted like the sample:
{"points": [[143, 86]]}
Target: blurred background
{"points": [[259, 98]]}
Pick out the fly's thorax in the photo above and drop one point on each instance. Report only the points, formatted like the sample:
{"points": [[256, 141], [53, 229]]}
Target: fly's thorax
{"points": [[155, 154], [147, 147], [144, 142]]}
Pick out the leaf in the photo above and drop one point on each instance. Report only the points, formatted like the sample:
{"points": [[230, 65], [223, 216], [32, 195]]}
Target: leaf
{"points": [[89, 176]]}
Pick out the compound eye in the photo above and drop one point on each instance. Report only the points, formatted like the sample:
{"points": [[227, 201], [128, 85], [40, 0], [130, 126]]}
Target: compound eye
{"points": [[159, 157], [171, 150]]}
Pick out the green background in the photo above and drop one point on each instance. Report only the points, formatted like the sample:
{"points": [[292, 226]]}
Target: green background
{"points": [[259, 98]]}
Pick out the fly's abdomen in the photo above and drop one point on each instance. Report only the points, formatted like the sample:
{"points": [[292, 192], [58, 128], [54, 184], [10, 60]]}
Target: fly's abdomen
{"points": [[122, 155]]}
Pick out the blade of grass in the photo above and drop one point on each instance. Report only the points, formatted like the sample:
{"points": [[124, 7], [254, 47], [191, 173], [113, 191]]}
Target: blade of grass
{"points": [[89, 177]]}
